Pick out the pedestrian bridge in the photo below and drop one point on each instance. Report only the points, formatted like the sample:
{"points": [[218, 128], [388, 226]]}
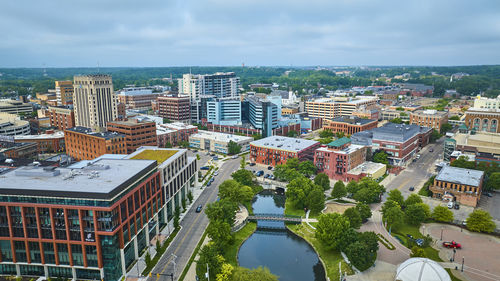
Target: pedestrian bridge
{"points": [[275, 217]]}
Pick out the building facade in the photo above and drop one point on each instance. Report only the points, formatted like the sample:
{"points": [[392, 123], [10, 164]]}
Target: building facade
{"points": [[11, 149], [338, 158], [12, 125], [277, 150], [485, 146], [217, 142], [429, 118], [15, 107], [49, 142], [220, 85], [350, 125], [174, 133], [137, 133], [224, 111], [480, 119], [331, 108], [261, 114], [137, 97], [487, 103], [83, 144], [289, 110], [459, 185], [175, 108], [61, 117], [64, 92], [94, 101]]}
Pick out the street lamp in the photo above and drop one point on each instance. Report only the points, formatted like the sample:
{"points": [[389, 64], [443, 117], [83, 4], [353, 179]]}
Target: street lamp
{"points": [[463, 260], [442, 228]]}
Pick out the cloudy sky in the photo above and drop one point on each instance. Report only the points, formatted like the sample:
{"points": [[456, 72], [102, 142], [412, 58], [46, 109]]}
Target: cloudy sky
{"points": [[255, 32]]}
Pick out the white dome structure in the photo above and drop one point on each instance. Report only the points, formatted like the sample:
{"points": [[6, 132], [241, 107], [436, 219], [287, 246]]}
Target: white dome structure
{"points": [[421, 269]]}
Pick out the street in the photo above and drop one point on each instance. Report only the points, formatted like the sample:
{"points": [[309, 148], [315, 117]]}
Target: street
{"points": [[193, 226]]}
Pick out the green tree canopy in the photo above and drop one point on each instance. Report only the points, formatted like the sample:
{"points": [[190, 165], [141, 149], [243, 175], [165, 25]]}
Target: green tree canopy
{"points": [[339, 190], [352, 187], [396, 120], [292, 163], [412, 199], [326, 133], [259, 273], [307, 168], [220, 233], [363, 252], [330, 228], [396, 196], [244, 177], [493, 181], [235, 192], [417, 252], [394, 216], [223, 210], [292, 134], [209, 254], [322, 180], [480, 221], [389, 204], [380, 157], [352, 214], [441, 213], [315, 200], [233, 148], [446, 127], [364, 211], [303, 193], [417, 213]]}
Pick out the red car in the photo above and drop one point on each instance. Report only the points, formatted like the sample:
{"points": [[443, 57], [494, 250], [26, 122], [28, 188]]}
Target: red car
{"points": [[452, 244]]}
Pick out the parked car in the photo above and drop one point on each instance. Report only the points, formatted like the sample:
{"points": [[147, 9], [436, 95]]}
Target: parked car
{"points": [[204, 168], [457, 206], [215, 158], [270, 167], [450, 205], [418, 156], [216, 173], [209, 183], [234, 156], [194, 151], [431, 149], [259, 173], [412, 188], [198, 209], [272, 177], [452, 244], [251, 164]]}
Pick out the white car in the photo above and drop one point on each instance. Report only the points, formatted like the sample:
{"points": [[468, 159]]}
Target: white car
{"points": [[450, 205]]}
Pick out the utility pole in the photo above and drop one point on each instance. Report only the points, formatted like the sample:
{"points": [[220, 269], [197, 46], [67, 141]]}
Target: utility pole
{"points": [[208, 275], [463, 260]]}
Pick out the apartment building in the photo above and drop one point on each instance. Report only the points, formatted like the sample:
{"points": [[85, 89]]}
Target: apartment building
{"points": [[350, 125], [49, 142], [262, 114], [137, 97], [220, 85], [175, 108], [429, 118], [276, 150], [174, 133], [84, 144], [64, 92], [94, 101], [137, 132], [61, 117], [331, 108]]}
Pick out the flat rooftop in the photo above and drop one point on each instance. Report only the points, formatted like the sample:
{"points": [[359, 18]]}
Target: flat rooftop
{"points": [[55, 135], [367, 168], [88, 131], [222, 137], [159, 155], [354, 120], [284, 143], [460, 176], [102, 179]]}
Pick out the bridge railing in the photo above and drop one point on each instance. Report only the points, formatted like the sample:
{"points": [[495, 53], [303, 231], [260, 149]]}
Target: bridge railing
{"points": [[276, 215]]}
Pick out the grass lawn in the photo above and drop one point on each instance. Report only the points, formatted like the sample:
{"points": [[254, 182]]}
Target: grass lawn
{"points": [[405, 229], [291, 210], [453, 277], [231, 252], [330, 259]]}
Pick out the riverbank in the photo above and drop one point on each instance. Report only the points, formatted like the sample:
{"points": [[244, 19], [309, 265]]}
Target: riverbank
{"points": [[230, 253], [329, 259]]}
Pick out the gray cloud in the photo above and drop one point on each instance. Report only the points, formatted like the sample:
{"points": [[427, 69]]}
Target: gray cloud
{"points": [[257, 32]]}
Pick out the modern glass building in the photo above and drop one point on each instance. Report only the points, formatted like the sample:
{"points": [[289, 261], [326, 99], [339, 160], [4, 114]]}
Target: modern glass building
{"points": [[262, 114], [224, 111], [90, 220]]}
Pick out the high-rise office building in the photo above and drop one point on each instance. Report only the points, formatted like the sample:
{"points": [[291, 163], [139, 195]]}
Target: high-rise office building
{"points": [[262, 114], [226, 111], [221, 85], [64, 92], [94, 101]]}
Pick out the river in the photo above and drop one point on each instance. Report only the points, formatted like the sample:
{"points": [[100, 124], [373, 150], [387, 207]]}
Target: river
{"points": [[275, 247]]}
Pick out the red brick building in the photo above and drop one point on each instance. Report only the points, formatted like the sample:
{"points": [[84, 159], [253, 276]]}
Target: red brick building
{"points": [[174, 133], [137, 133], [50, 142], [83, 144], [61, 117], [338, 158], [276, 150], [460, 185], [350, 125], [175, 108]]}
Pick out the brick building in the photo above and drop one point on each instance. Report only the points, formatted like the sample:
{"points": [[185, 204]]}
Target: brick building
{"points": [[18, 150], [483, 119], [137, 97], [50, 142], [350, 125], [458, 184], [61, 117], [276, 150], [137, 133], [83, 144], [338, 157], [429, 118], [174, 133], [175, 108]]}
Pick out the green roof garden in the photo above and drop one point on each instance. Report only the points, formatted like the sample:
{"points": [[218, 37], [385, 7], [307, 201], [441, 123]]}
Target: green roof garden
{"points": [[160, 155], [339, 142]]}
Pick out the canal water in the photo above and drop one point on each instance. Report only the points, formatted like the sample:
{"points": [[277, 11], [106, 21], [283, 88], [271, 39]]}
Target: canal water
{"points": [[273, 246]]}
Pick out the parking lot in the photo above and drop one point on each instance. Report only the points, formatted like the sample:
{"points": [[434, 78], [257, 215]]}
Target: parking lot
{"points": [[491, 205], [460, 214]]}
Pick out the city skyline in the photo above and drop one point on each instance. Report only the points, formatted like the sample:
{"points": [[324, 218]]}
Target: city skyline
{"points": [[220, 33]]}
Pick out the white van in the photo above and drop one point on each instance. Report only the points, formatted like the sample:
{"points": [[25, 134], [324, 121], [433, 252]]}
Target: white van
{"points": [[450, 205]]}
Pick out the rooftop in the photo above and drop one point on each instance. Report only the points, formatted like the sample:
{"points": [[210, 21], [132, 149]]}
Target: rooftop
{"points": [[431, 112], [284, 143], [353, 120], [460, 176], [397, 132], [55, 135], [160, 155], [367, 168], [339, 142], [102, 179], [88, 131], [222, 137], [132, 122]]}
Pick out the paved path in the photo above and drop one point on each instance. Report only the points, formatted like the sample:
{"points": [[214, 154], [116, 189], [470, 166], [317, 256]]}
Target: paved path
{"points": [[193, 226]]}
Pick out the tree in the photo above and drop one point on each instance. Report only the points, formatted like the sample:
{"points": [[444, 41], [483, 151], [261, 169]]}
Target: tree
{"points": [[348, 237], [220, 233], [225, 273], [259, 273], [184, 144], [168, 145], [389, 204], [454, 117], [322, 180], [223, 210], [243, 163], [396, 121], [364, 211], [360, 255], [209, 254], [417, 213], [297, 191], [396, 196], [462, 162], [315, 200], [339, 135], [280, 172], [307, 168], [352, 214], [493, 181], [369, 191], [339, 190], [292, 134], [480, 221], [435, 135], [233, 148], [326, 133], [190, 196], [380, 157], [394, 216], [445, 128], [147, 258], [235, 192], [198, 157], [441, 213], [292, 163], [352, 187], [417, 252], [177, 213], [412, 199], [330, 229], [243, 177]]}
